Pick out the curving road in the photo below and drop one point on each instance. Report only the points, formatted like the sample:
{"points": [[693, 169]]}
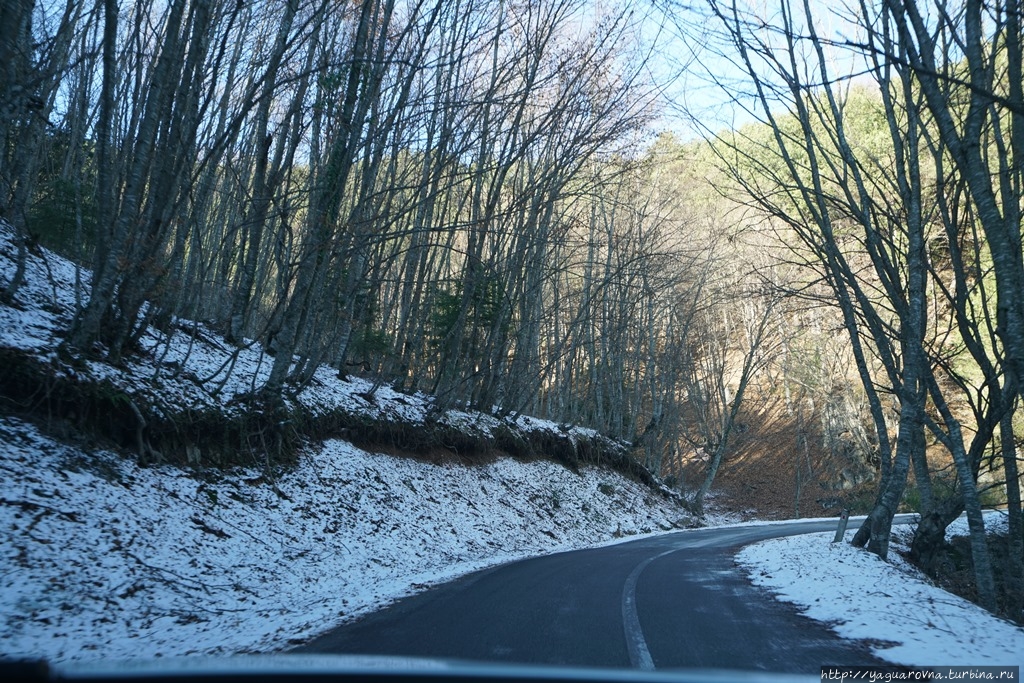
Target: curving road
{"points": [[663, 602]]}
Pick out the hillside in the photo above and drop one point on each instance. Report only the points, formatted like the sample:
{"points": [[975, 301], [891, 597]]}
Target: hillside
{"points": [[104, 559], [140, 519]]}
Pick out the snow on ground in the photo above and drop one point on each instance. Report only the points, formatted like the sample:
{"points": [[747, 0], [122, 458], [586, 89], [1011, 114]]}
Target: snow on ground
{"points": [[911, 621], [103, 559]]}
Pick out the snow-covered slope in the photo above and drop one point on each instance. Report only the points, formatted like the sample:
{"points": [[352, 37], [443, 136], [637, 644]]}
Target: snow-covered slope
{"points": [[102, 558]]}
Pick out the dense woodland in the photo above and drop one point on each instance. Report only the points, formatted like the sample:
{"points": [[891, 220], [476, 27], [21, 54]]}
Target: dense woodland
{"points": [[474, 199]]}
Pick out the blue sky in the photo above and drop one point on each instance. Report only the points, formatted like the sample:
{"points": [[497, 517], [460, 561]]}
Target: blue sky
{"points": [[705, 88]]}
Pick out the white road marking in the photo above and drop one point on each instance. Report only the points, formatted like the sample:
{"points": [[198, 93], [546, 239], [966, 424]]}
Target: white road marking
{"points": [[639, 654], [636, 644]]}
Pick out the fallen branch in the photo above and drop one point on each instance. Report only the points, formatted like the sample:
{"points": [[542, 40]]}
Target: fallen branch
{"points": [[29, 506]]}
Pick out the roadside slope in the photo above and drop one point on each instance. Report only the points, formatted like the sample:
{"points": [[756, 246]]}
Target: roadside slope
{"points": [[104, 559]]}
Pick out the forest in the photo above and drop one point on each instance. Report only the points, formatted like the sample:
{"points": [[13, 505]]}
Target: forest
{"points": [[481, 200]]}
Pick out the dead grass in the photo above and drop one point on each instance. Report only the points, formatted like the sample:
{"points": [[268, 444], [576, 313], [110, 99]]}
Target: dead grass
{"points": [[758, 477], [954, 572]]}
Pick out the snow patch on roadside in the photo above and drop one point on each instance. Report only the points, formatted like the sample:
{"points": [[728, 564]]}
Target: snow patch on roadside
{"points": [[102, 559], [911, 621]]}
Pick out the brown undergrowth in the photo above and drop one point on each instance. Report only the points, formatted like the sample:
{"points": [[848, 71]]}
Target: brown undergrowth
{"points": [[758, 477], [953, 571], [257, 431]]}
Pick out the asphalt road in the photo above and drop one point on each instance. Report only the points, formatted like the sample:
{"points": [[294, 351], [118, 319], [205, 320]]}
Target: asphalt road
{"points": [[670, 601]]}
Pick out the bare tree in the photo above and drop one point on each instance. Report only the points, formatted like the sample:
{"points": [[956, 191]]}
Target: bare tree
{"points": [[817, 180]]}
